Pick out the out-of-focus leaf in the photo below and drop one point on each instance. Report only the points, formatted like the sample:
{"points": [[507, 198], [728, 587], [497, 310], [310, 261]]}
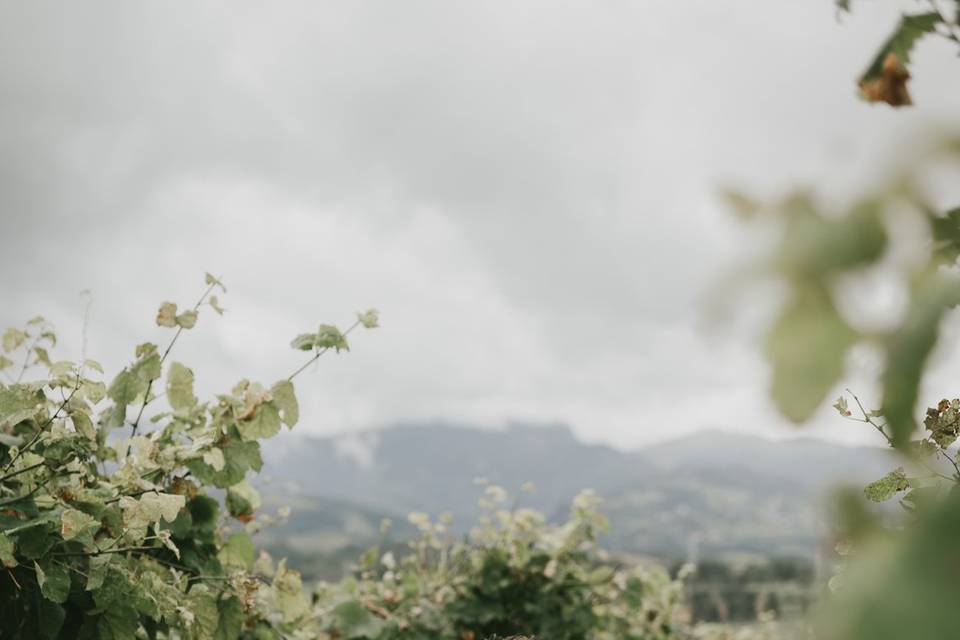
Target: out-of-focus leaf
{"points": [[353, 620], [908, 349], [903, 588], [209, 278], [12, 339], [946, 237], [815, 246], [806, 346]]}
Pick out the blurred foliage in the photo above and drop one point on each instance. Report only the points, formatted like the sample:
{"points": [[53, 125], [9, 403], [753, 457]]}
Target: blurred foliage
{"points": [[818, 249], [886, 77], [901, 577]]}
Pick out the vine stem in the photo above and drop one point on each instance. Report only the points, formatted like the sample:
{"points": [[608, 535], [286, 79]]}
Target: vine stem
{"points": [[33, 441], [12, 474], [320, 353], [26, 358], [166, 352], [868, 420], [951, 33]]}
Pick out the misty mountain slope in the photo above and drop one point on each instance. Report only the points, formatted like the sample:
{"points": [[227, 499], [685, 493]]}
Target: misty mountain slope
{"points": [[434, 468], [726, 492]]}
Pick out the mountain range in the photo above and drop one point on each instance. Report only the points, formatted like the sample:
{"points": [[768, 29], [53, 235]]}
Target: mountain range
{"points": [[718, 492]]}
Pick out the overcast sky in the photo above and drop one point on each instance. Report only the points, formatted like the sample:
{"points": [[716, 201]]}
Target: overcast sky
{"points": [[526, 190]]}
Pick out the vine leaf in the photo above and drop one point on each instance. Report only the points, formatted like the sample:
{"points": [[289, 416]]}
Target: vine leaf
{"points": [[885, 80], [806, 345], [887, 486], [908, 349]]}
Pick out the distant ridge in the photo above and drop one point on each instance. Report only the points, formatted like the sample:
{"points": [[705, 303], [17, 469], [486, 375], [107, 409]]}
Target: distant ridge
{"points": [[732, 492]]}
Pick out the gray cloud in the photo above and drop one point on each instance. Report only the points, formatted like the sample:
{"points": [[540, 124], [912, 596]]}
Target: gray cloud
{"points": [[526, 189]]}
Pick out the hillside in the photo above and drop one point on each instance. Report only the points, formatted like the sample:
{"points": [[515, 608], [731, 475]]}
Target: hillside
{"points": [[724, 492]]}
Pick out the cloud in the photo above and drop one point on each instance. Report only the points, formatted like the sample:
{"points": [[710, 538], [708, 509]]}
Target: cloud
{"points": [[526, 189]]}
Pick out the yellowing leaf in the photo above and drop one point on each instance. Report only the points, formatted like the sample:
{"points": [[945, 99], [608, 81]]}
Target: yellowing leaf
{"points": [[12, 339], [180, 388], [167, 315], [187, 319], [286, 401]]}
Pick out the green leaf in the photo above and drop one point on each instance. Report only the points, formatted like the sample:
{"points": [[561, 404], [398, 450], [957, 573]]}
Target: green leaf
{"points": [[304, 341], [353, 620], [54, 581], [288, 593], [132, 382], [211, 279], [329, 337], [187, 319], [887, 486], [806, 346], [908, 348], [76, 524], [239, 457], [35, 542], [237, 551], [242, 500], [5, 362], [50, 620], [180, 388], [370, 318], [901, 42], [230, 622], [167, 315], [206, 616], [264, 423], [286, 401], [139, 513], [12, 339], [205, 511], [215, 305], [7, 549], [946, 237], [814, 245], [902, 589], [19, 402], [885, 80], [118, 622]]}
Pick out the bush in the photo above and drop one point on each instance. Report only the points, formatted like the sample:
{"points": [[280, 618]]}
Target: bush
{"points": [[515, 574]]}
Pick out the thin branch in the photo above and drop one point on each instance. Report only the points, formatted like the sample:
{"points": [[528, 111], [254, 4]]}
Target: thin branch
{"points": [[880, 427], [14, 578], [869, 420], [951, 32], [12, 474], [26, 358], [166, 352], [46, 424], [320, 353], [14, 499], [100, 552]]}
